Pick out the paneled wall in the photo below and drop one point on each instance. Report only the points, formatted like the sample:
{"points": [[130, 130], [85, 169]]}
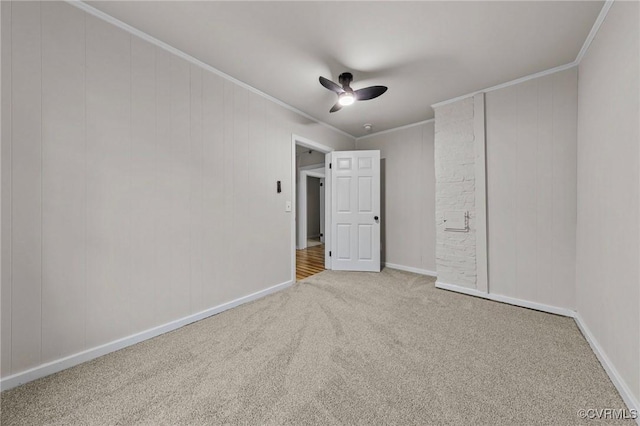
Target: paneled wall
{"points": [[608, 234], [408, 195], [531, 189], [135, 185]]}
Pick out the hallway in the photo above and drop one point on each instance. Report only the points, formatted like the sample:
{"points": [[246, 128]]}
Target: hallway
{"points": [[309, 261]]}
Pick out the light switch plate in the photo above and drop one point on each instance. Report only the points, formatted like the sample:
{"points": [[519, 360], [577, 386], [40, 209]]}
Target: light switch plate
{"points": [[287, 206]]}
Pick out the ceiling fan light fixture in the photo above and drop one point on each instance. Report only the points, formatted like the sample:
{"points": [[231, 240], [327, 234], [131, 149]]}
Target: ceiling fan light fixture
{"points": [[346, 98], [346, 95]]}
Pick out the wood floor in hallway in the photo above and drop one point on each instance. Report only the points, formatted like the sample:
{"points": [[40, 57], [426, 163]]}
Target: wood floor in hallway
{"points": [[309, 261]]}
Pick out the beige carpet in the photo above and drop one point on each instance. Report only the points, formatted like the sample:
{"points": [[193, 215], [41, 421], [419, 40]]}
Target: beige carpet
{"points": [[338, 348]]}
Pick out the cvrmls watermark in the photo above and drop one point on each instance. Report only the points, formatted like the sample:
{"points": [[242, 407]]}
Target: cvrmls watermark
{"points": [[608, 414]]}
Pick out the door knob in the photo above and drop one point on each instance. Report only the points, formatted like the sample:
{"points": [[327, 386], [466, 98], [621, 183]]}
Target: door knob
{"points": [[375, 218]]}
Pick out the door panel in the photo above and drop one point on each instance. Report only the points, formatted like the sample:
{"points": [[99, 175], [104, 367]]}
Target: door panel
{"points": [[343, 192], [343, 241], [365, 197], [344, 163], [355, 201], [364, 163], [365, 239]]}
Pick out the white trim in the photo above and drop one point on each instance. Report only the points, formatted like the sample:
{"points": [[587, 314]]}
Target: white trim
{"points": [[594, 30], [616, 378], [585, 46], [608, 366], [410, 269], [144, 36], [312, 166], [89, 354], [507, 84], [508, 300], [328, 260], [482, 265], [110, 19], [315, 173], [406, 126], [308, 143], [301, 211], [294, 208]]}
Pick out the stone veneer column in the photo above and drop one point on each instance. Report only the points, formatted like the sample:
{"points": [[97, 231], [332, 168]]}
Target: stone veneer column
{"points": [[460, 180]]}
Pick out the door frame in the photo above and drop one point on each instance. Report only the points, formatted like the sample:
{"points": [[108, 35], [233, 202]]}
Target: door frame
{"points": [[307, 143], [302, 216]]}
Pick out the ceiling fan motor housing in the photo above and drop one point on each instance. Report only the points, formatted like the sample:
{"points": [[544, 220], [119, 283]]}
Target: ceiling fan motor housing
{"points": [[345, 79]]}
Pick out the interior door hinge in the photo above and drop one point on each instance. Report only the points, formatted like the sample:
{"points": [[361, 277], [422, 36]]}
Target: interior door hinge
{"points": [[329, 253], [329, 165]]}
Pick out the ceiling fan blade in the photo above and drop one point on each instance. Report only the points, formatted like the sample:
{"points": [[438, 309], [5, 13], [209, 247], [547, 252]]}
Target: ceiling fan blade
{"points": [[334, 87], [336, 107], [369, 92]]}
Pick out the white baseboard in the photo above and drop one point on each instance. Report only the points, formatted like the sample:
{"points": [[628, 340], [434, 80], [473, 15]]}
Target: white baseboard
{"points": [[616, 378], [509, 300], [410, 269], [89, 354]]}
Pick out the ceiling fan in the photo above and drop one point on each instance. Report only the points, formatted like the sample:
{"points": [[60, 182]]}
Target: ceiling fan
{"points": [[346, 95]]}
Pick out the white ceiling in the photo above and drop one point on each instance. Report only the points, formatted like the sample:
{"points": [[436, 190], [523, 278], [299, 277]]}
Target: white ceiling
{"points": [[425, 52]]}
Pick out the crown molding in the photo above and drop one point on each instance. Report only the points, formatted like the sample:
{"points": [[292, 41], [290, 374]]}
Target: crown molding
{"points": [[110, 19], [508, 83], [144, 36], [594, 30], [406, 126], [583, 50]]}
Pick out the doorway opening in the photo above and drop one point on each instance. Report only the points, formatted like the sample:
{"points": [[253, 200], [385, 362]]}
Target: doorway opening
{"points": [[310, 208], [310, 186]]}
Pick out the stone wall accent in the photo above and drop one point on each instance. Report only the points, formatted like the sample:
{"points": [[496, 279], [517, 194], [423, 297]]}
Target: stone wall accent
{"points": [[455, 169]]}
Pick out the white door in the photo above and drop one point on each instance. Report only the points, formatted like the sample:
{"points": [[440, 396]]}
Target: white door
{"points": [[355, 210], [322, 210]]}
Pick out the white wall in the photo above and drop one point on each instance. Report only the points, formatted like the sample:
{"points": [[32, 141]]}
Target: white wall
{"points": [[531, 189], [5, 153], [608, 232], [408, 191], [135, 185]]}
